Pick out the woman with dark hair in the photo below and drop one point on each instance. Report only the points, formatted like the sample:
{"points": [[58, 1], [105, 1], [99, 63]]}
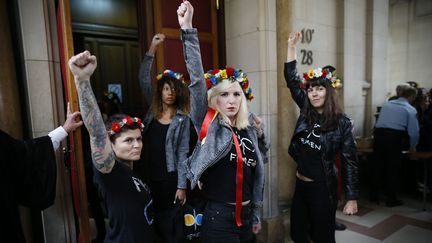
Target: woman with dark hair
{"points": [[167, 141], [226, 163], [127, 199], [322, 132]]}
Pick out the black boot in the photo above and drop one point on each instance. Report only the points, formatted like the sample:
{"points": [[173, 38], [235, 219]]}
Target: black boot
{"points": [[340, 226]]}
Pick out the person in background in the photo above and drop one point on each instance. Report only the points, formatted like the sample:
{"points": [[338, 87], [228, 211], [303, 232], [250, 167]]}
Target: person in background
{"points": [[114, 151], [28, 175], [167, 141], [226, 162], [396, 130], [109, 105], [322, 133]]}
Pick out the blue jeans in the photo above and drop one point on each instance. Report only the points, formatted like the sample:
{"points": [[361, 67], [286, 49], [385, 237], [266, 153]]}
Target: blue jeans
{"points": [[219, 224]]}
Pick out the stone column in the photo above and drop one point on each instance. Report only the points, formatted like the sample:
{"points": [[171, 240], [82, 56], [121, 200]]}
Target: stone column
{"points": [[251, 46], [377, 74], [46, 103]]}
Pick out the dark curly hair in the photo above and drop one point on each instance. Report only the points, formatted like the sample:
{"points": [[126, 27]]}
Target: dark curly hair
{"points": [[181, 98]]}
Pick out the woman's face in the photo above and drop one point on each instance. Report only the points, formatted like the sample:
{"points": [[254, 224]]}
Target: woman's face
{"points": [[168, 94], [229, 100], [317, 96], [128, 145]]}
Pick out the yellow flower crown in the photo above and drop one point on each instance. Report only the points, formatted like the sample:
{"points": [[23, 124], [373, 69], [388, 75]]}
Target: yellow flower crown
{"points": [[213, 77]]}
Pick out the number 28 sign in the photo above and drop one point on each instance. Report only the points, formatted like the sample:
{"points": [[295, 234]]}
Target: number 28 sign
{"points": [[306, 55]]}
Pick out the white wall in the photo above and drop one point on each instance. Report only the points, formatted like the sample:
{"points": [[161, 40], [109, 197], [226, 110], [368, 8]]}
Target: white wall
{"points": [[410, 42]]}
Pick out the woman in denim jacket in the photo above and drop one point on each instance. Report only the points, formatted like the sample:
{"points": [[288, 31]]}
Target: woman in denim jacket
{"points": [[167, 141], [221, 118], [322, 132]]}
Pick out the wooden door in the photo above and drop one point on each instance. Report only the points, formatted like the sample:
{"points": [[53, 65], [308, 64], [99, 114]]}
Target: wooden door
{"points": [[205, 19], [118, 63]]}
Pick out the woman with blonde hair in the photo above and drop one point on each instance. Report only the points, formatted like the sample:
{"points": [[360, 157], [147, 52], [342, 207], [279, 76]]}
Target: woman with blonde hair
{"points": [[226, 163]]}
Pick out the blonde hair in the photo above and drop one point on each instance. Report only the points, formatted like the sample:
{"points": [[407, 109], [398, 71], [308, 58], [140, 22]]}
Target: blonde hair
{"points": [[241, 120]]}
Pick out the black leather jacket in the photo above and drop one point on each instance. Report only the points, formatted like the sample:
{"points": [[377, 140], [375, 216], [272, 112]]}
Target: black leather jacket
{"points": [[338, 141]]}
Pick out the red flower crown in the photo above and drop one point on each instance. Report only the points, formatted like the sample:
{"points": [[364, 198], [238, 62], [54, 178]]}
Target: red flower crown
{"points": [[127, 120]]}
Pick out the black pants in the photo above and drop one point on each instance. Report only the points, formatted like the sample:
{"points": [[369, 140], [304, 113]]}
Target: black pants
{"points": [[312, 213], [388, 146], [163, 194], [219, 224]]}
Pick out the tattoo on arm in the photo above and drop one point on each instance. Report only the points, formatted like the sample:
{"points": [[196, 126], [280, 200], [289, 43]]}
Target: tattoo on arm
{"points": [[102, 154]]}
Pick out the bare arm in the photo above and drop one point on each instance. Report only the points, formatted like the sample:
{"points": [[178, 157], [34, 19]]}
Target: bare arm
{"points": [[82, 66]]}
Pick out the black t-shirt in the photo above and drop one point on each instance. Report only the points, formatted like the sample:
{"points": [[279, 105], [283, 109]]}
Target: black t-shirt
{"points": [[309, 162], [128, 204], [155, 138], [219, 181], [163, 184]]}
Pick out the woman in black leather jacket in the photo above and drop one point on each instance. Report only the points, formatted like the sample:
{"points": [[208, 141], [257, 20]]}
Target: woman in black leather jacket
{"points": [[322, 133]]}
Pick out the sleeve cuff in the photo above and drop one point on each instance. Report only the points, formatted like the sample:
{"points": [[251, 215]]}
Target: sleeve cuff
{"points": [[186, 32], [291, 64], [57, 135]]}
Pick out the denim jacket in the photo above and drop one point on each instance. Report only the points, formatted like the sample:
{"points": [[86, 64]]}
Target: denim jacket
{"points": [[219, 135], [177, 138]]}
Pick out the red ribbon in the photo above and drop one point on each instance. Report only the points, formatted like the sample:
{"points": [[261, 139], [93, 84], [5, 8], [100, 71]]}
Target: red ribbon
{"points": [[210, 116], [239, 181]]}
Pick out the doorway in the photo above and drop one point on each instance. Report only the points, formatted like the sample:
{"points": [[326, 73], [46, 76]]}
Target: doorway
{"points": [[119, 32]]}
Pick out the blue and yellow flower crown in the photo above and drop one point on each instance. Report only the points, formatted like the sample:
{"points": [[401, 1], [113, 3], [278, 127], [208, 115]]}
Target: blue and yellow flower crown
{"points": [[327, 72], [170, 73], [215, 76]]}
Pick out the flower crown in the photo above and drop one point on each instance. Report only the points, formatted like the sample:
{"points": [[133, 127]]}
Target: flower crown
{"points": [[328, 73], [170, 73], [215, 76], [127, 120]]}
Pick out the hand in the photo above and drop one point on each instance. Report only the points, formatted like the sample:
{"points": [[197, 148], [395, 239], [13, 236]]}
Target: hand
{"points": [[256, 228], [82, 66], [257, 124], [293, 38], [181, 196], [350, 207], [185, 14], [156, 41], [71, 122]]}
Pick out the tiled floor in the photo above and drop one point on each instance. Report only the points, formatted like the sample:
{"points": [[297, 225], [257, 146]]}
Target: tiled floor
{"points": [[377, 223]]}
